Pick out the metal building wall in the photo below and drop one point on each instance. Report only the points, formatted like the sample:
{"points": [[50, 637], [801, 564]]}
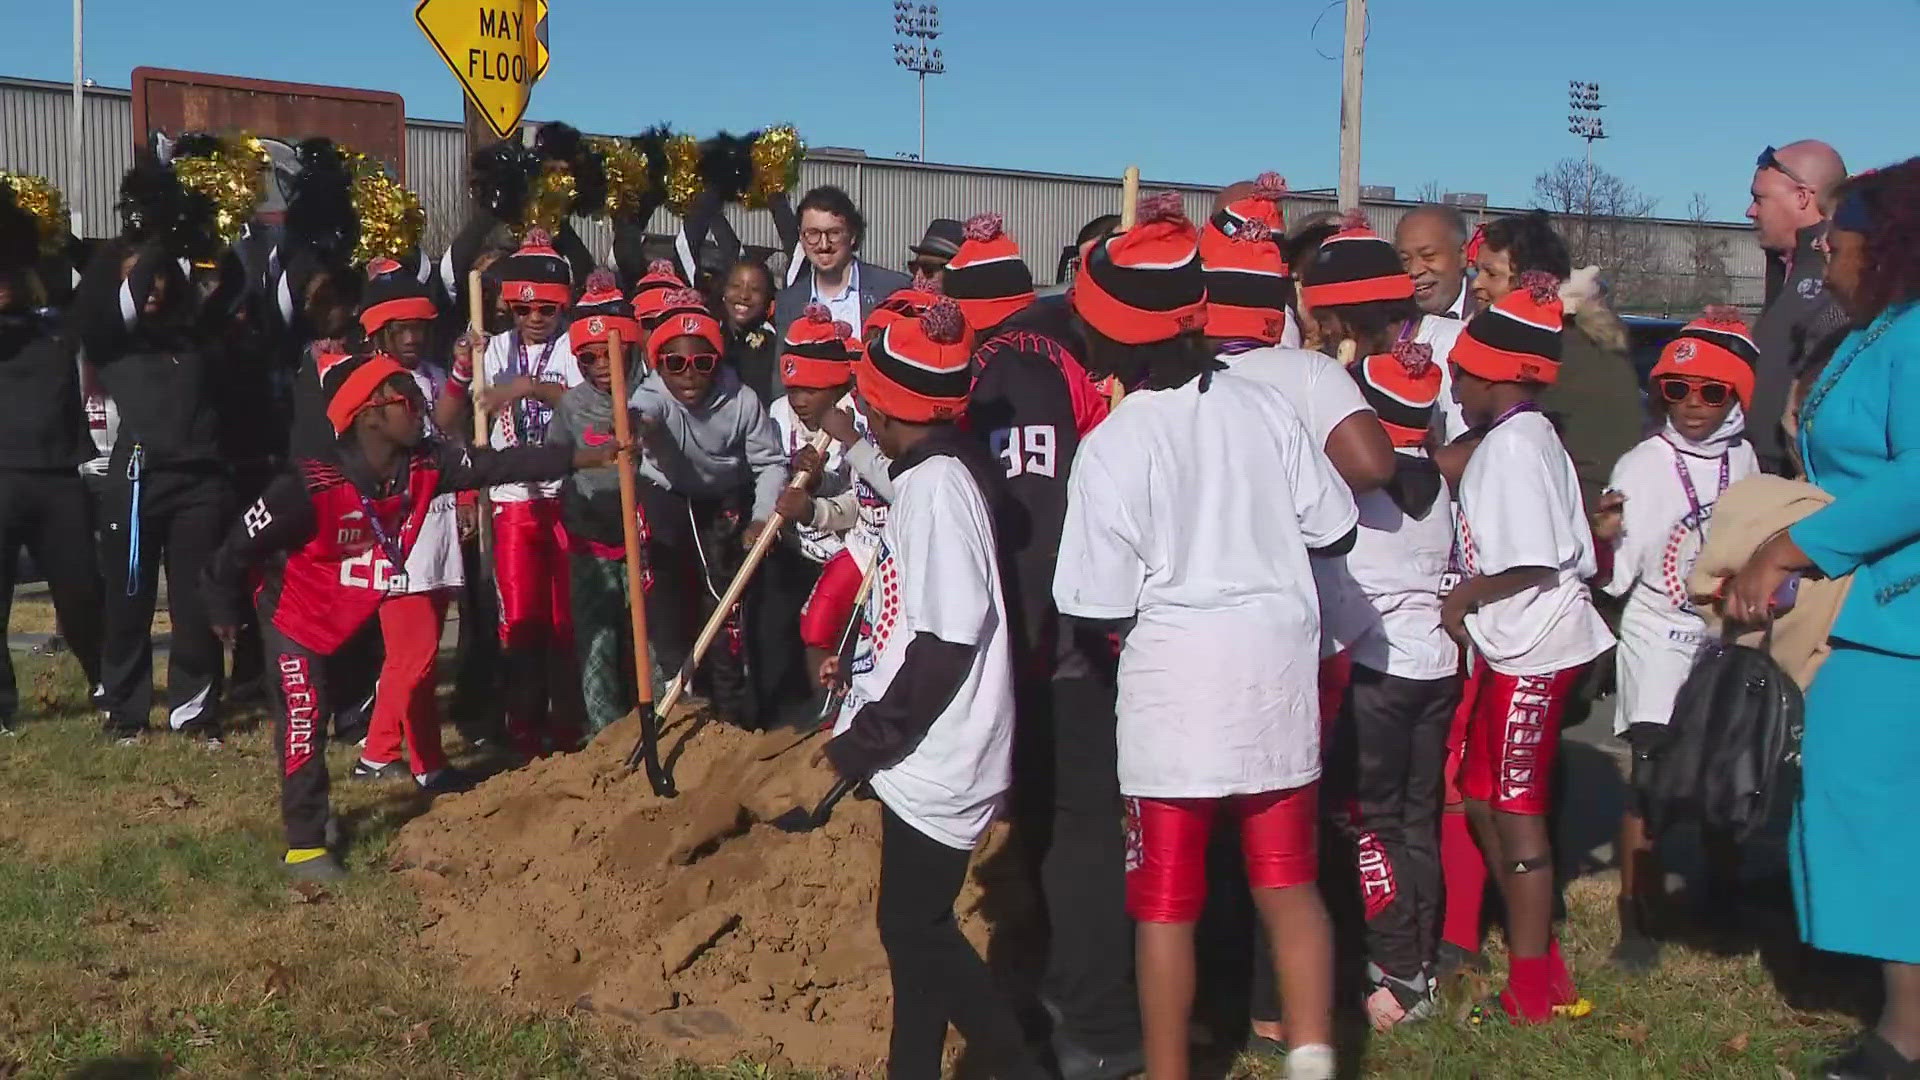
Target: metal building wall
{"points": [[35, 124]]}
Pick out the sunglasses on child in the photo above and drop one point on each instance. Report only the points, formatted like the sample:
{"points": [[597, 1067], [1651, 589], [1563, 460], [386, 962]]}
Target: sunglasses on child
{"points": [[543, 310], [1676, 390], [675, 363]]}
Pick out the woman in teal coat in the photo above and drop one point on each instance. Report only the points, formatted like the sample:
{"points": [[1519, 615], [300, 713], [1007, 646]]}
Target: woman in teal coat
{"points": [[1855, 853]]}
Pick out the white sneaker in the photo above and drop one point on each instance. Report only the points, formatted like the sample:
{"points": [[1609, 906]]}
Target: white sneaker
{"points": [[1394, 1001], [1311, 1062]]}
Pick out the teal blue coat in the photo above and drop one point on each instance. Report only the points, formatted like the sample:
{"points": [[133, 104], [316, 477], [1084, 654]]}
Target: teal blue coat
{"points": [[1860, 439]]}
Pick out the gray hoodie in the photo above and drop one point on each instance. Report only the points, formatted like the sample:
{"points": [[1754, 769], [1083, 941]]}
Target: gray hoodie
{"points": [[590, 498], [715, 448]]}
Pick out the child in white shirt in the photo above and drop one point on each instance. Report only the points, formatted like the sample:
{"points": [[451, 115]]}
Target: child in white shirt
{"points": [[1655, 516], [1526, 612]]}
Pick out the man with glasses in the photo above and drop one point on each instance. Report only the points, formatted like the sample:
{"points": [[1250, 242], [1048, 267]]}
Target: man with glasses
{"points": [[1788, 183], [831, 229]]}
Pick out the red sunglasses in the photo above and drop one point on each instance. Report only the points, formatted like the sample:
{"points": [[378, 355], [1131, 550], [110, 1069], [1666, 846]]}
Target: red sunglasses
{"points": [[675, 363], [1676, 390], [542, 310]]}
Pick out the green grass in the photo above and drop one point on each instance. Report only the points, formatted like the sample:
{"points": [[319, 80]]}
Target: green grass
{"points": [[145, 931]]}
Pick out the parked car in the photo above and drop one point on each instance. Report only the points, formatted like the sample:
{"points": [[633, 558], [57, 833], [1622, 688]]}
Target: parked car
{"points": [[1646, 336]]}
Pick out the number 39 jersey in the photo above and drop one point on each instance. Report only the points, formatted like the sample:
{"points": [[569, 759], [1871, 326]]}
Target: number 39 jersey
{"points": [[328, 544]]}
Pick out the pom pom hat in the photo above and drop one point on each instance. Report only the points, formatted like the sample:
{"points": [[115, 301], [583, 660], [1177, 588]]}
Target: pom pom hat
{"points": [[393, 295], [683, 314], [649, 295], [1245, 273], [910, 303], [602, 310], [1518, 338], [917, 369], [536, 274], [1714, 346], [1354, 266], [1401, 388], [1144, 285], [987, 277], [818, 352]]}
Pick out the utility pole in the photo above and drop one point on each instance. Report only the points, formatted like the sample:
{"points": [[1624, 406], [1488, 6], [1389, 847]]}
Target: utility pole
{"points": [[1583, 98], [76, 154], [1352, 67], [918, 22]]}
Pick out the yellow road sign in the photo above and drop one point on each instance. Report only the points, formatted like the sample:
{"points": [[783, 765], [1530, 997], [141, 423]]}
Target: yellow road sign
{"points": [[496, 49]]}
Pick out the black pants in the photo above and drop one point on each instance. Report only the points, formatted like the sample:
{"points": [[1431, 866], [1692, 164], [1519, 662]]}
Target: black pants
{"points": [[937, 977], [693, 549], [48, 513], [477, 706], [183, 516], [1070, 820], [249, 649], [779, 674], [300, 737], [1383, 787]]}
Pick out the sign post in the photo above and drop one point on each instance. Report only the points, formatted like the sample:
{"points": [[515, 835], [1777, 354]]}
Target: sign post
{"points": [[496, 48]]}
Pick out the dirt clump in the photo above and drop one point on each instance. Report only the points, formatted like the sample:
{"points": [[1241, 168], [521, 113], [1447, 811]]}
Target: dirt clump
{"points": [[569, 885]]}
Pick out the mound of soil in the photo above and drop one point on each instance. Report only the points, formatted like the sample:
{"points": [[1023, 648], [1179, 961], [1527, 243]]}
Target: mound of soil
{"points": [[568, 885]]}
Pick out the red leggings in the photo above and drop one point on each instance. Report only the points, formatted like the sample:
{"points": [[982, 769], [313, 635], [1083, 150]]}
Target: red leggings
{"points": [[830, 606], [535, 580], [403, 704], [1513, 737], [1167, 848]]}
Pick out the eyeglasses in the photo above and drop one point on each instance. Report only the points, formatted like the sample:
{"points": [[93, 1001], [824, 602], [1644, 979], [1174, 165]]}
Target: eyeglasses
{"points": [[1769, 159], [521, 311], [821, 236], [1676, 390], [676, 363], [397, 399]]}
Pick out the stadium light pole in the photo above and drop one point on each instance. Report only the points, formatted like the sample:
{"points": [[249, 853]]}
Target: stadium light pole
{"points": [[918, 22], [76, 154], [1583, 120]]}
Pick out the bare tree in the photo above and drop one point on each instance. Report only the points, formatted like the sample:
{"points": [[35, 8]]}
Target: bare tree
{"points": [[1606, 222], [1705, 266], [1429, 192]]}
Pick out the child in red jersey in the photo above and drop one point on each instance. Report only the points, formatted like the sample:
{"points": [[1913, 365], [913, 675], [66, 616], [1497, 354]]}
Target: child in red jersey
{"points": [[345, 530]]}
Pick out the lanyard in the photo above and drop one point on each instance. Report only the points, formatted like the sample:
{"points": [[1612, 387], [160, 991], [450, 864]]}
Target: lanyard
{"points": [[1523, 407], [389, 544], [524, 416], [1686, 479]]}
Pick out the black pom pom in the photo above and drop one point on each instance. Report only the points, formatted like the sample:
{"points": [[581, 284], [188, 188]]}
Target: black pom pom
{"points": [[563, 142], [19, 233], [154, 207], [196, 144], [726, 165], [502, 175], [320, 212], [653, 143]]}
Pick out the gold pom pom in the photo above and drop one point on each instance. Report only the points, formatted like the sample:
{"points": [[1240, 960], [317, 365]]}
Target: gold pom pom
{"points": [[391, 218], [627, 180], [553, 194], [44, 204], [776, 164], [683, 172], [234, 177]]}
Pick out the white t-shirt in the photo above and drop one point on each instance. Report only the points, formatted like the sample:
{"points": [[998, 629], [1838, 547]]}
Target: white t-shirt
{"points": [[816, 544], [1191, 513], [1660, 629], [1396, 565], [1441, 333], [1520, 506], [524, 423], [434, 560], [938, 575]]}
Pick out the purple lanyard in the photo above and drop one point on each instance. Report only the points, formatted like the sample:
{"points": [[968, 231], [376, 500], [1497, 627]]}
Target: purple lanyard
{"points": [[1686, 479], [523, 417], [389, 544], [1523, 407]]}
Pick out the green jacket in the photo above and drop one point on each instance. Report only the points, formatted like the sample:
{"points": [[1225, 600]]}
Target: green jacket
{"points": [[1596, 403]]}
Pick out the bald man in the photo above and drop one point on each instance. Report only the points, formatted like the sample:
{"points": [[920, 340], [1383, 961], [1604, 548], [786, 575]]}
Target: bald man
{"points": [[1432, 241], [1788, 183]]}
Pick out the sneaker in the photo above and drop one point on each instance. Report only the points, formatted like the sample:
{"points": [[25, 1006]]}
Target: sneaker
{"points": [[1077, 1062], [1500, 1010], [1871, 1058], [1314, 1061], [324, 867], [53, 646], [204, 734], [1393, 1001], [447, 781], [1452, 960], [123, 737], [369, 770]]}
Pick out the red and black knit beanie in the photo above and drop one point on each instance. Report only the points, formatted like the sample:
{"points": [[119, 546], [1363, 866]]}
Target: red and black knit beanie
{"points": [[1401, 387], [1714, 346], [602, 310], [819, 351], [682, 314], [648, 295], [1145, 285], [349, 383], [910, 303], [917, 369], [392, 295], [1518, 338], [1245, 273], [1353, 266], [536, 274], [987, 277]]}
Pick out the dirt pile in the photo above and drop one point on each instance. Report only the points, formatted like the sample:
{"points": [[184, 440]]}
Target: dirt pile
{"points": [[569, 885]]}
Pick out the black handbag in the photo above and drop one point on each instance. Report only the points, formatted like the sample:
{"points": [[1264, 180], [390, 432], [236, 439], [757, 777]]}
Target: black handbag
{"points": [[1732, 747]]}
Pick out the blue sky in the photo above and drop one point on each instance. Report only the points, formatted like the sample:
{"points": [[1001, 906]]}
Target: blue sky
{"points": [[1470, 95]]}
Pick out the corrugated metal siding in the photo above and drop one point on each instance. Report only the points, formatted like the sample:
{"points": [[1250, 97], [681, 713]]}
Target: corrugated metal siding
{"points": [[34, 128], [1042, 211]]}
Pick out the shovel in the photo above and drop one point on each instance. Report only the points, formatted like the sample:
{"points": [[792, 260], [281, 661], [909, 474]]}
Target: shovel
{"points": [[800, 819]]}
